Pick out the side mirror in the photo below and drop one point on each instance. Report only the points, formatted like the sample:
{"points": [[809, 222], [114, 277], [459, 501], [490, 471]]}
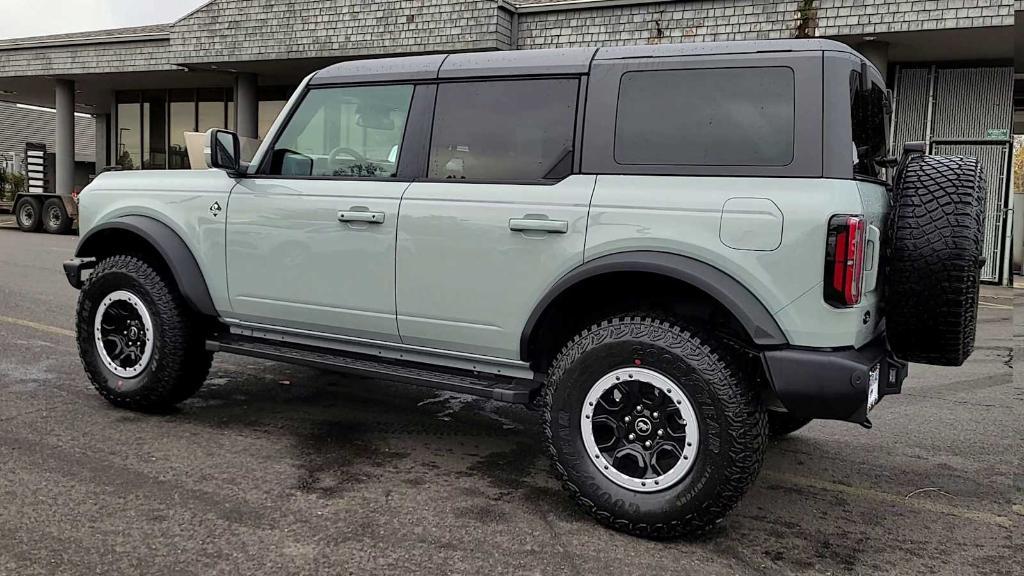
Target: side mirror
{"points": [[222, 150]]}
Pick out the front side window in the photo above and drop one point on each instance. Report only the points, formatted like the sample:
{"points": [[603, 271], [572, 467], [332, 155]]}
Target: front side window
{"points": [[706, 117], [344, 132], [869, 115], [504, 130]]}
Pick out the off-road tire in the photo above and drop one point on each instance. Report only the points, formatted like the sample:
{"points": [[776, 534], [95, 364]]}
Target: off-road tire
{"points": [[783, 423], [934, 255], [28, 222], [179, 363], [55, 217], [729, 412]]}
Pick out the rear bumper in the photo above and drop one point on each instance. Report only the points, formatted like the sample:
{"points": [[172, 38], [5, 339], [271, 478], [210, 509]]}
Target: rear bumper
{"points": [[73, 270], [833, 384]]}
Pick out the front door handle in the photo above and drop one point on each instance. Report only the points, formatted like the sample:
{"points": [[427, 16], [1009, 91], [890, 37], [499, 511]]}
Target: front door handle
{"points": [[538, 225], [360, 216]]}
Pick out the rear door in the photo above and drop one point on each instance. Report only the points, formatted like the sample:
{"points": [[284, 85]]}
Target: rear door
{"points": [[499, 218]]}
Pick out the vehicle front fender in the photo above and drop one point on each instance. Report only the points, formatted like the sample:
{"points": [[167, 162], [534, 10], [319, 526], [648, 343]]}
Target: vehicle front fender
{"points": [[166, 242]]}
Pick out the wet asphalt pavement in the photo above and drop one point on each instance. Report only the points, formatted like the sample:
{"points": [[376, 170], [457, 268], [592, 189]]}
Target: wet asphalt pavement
{"points": [[276, 469]]}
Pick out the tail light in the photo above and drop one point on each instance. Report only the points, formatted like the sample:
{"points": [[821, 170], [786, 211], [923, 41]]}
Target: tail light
{"points": [[844, 260]]}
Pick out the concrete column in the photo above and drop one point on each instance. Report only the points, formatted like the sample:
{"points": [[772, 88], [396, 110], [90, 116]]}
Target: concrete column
{"points": [[247, 104], [877, 52], [102, 146], [65, 137]]}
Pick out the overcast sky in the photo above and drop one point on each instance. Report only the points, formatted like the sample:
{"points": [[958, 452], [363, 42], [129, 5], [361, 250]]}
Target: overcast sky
{"points": [[42, 17]]}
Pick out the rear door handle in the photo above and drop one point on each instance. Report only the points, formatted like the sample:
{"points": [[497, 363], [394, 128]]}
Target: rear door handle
{"points": [[537, 225], [360, 216]]}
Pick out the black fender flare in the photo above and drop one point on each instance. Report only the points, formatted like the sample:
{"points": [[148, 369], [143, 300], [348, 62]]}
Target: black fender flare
{"points": [[734, 296], [180, 260]]}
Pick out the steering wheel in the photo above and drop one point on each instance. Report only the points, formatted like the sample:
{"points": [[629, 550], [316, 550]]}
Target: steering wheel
{"points": [[333, 156]]}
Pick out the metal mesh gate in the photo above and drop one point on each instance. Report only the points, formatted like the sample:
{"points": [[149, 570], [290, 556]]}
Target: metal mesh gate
{"points": [[965, 112]]}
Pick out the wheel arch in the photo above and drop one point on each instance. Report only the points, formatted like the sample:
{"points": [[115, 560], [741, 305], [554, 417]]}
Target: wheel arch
{"points": [[671, 270], [159, 239]]}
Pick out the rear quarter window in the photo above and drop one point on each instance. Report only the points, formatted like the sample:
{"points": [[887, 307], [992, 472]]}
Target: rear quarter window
{"points": [[708, 116]]}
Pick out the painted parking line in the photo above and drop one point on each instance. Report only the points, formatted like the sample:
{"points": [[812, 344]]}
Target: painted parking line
{"points": [[37, 326], [905, 501], [997, 306]]}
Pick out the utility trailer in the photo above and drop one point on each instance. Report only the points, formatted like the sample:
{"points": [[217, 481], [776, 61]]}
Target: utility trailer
{"points": [[40, 206]]}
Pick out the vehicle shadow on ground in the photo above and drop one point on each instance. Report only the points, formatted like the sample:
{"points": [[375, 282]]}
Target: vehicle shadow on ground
{"points": [[347, 437]]}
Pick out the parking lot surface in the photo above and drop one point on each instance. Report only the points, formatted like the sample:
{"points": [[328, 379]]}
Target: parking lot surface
{"points": [[276, 469]]}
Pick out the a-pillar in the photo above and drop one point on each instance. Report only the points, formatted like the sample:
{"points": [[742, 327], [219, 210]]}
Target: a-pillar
{"points": [[65, 137]]}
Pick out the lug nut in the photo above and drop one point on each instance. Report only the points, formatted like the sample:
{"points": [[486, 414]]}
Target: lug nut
{"points": [[655, 415], [647, 444], [632, 437], [661, 432], [628, 419], [639, 409]]}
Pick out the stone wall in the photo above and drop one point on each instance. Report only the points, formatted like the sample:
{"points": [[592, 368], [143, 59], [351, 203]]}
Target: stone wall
{"points": [[86, 59], [663, 22], [239, 30], [858, 17]]}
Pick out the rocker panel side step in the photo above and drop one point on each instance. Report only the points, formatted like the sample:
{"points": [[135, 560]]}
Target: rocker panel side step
{"points": [[503, 389]]}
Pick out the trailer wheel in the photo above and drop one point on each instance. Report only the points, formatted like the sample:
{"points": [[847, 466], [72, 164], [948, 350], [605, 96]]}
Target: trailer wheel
{"points": [[28, 213], [55, 217]]}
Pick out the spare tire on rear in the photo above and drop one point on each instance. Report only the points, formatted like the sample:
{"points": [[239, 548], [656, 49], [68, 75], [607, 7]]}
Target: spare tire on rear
{"points": [[934, 255]]}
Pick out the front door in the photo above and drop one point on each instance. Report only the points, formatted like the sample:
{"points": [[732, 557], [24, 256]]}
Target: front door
{"points": [[499, 218], [311, 238]]}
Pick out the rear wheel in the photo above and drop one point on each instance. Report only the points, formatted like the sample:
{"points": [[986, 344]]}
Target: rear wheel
{"points": [[140, 344], [651, 427], [28, 213], [55, 217]]}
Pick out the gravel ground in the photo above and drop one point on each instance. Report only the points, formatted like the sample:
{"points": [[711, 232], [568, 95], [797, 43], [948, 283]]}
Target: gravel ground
{"points": [[275, 469]]}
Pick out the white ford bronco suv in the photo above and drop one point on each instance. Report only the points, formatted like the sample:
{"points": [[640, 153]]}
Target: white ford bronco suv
{"points": [[673, 251]]}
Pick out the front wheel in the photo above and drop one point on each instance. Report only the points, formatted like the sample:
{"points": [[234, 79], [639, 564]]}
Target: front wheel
{"points": [[140, 344], [651, 427]]}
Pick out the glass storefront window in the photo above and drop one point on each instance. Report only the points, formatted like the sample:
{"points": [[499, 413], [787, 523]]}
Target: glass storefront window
{"points": [[129, 134], [212, 110], [154, 130], [151, 124], [269, 110], [183, 119]]}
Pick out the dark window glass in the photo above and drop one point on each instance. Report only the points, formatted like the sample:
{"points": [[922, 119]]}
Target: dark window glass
{"points": [[710, 117], [504, 130], [212, 109], [129, 132], [154, 130], [182, 109], [869, 117], [344, 132]]}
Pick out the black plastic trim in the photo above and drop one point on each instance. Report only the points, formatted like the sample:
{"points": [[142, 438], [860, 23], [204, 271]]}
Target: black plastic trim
{"points": [[172, 249], [751, 313], [500, 388], [73, 269], [833, 384]]}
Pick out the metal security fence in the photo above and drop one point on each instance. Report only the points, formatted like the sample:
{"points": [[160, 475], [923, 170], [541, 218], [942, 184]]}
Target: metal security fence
{"points": [[966, 112]]}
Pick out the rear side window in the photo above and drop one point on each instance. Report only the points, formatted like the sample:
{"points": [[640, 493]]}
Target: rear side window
{"points": [[504, 130], [709, 117], [869, 115]]}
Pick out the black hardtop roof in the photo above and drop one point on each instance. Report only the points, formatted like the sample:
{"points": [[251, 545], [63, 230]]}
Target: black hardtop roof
{"points": [[548, 61]]}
